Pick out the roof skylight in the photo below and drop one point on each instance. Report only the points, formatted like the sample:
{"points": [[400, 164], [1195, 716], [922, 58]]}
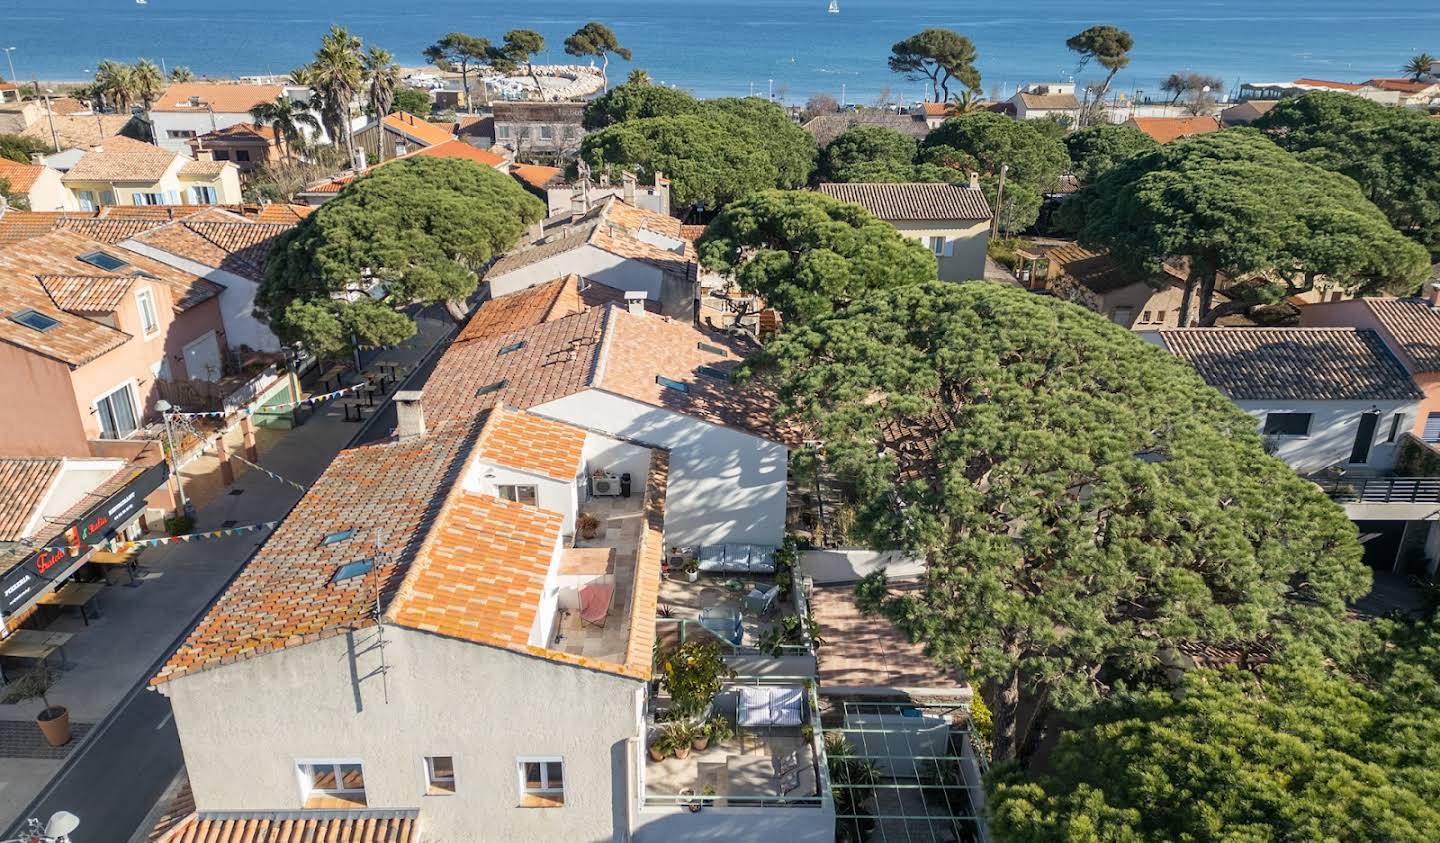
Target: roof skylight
{"points": [[492, 387], [514, 346], [335, 538], [350, 570], [670, 383], [104, 260], [35, 320]]}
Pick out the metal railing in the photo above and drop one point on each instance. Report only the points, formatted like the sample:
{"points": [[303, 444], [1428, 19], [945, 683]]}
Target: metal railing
{"points": [[692, 628], [1380, 489]]}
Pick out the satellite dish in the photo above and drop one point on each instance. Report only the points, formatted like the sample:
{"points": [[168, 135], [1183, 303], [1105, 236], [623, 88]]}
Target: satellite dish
{"points": [[61, 824]]}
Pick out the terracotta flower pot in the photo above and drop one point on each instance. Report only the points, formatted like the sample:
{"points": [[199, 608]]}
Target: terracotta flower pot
{"points": [[657, 754], [54, 723], [700, 743], [682, 752]]}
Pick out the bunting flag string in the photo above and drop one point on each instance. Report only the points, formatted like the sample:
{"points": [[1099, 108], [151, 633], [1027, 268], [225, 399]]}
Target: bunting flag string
{"points": [[272, 475], [74, 550], [210, 444], [271, 408]]}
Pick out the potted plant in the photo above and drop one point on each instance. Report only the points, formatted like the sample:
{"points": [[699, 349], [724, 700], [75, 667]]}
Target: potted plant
{"points": [[53, 720], [682, 736], [692, 570], [589, 525], [659, 747], [717, 729], [692, 675], [707, 796], [690, 802]]}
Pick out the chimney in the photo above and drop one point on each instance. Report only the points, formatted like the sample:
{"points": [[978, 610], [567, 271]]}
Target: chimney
{"points": [[974, 181], [535, 231], [204, 155], [37, 158], [662, 191], [635, 302], [1433, 287], [579, 201], [409, 415], [629, 180]]}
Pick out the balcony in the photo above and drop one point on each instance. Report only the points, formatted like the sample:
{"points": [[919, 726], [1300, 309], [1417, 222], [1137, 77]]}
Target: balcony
{"points": [[1381, 489], [758, 637]]}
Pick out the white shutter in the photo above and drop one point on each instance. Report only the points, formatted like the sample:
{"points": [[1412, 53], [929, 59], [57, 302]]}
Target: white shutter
{"points": [[1432, 428], [138, 198], [949, 247]]}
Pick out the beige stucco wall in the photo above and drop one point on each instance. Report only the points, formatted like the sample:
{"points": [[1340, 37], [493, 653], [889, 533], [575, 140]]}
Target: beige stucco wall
{"points": [[49, 194], [226, 186], [1162, 305], [967, 261], [243, 728], [40, 420]]}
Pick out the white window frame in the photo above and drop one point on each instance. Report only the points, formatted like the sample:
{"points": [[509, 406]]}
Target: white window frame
{"points": [[547, 133], [149, 315], [87, 200], [143, 198], [545, 792], [435, 786], [502, 133], [307, 791], [516, 487], [127, 384], [202, 194], [937, 246]]}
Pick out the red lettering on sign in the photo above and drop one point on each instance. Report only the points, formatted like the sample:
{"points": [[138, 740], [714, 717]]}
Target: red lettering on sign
{"points": [[46, 561]]}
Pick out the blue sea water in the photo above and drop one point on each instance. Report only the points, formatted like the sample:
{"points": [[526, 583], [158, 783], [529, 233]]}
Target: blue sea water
{"points": [[730, 47]]}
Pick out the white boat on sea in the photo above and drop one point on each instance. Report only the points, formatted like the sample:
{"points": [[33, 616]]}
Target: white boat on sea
{"points": [[834, 6]]}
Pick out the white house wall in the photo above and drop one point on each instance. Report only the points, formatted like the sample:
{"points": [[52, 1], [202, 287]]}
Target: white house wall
{"points": [[244, 726], [1333, 425], [555, 495], [587, 262], [724, 487], [237, 300]]}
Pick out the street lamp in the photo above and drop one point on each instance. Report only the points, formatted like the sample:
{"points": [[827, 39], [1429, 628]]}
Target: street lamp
{"points": [[165, 407], [57, 830]]}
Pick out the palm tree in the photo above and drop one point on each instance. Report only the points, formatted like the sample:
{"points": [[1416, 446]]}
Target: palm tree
{"points": [[1419, 66], [639, 76], [383, 76], [181, 73], [964, 102], [288, 118], [336, 75], [116, 82], [149, 84]]}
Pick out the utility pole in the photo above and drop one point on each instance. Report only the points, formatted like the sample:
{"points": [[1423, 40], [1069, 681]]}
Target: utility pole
{"points": [[165, 407], [999, 200], [49, 117]]}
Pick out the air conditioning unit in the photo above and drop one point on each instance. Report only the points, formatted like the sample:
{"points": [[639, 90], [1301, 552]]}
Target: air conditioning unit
{"points": [[605, 486]]}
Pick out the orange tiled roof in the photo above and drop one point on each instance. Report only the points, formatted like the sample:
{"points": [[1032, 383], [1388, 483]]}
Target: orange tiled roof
{"points": [[542, 303], [23, 484], [203, 169], [220, 97], [106, 230], [283, 212], [19, 225], [241, 132], [87, 293], [936, 109], [1166, 129], [1325, 83], [460, 149], [351, 826], [535, 175], [126, 166], [218, 239], [535, 444], [82, 130], [612, 226], [414, 127], [692, 232], [482, 572], [22, 177]]}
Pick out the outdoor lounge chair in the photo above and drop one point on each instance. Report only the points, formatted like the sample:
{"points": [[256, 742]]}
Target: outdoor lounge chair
{"points": [[761, 602], [595, 603], [724, 623]]}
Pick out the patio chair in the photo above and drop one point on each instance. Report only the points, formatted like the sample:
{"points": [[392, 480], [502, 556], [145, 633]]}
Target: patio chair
{"points": [[595, 603], [761, 602], [724, 623]]}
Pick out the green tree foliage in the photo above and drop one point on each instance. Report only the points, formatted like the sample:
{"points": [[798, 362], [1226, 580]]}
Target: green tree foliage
{"points": [[1081, 499], [460, 51], [115, 83], [1393, 153], [1107, 46], [518, 50], [420, 226], [181, 73], [807, 254], [1232, 202], [336, 76], [938, 55], [596, 40], [1298, 752], [10, 197], [1096, 150], [288, 119], [984, 141], [19, 147], [1418, 67], [638, 100], [413, 101], [382, 77], [726, 149], [865, 145]]}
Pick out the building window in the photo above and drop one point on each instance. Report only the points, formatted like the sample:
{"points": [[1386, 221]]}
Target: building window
{"points": [[117, 413], [1145, 318], [502, 133], [202, 195], [572, 132], [937, 245], [86, 198], [439, 775], [148, 198], [1123, 316], [148, 320], [242, 155], [1431, 433], [1287, 424], [542, 782], [102, 260], [332, 784], [547, 133], [179, 134], [518, 493], [1395, 422], [221, 155], [34, 320]]}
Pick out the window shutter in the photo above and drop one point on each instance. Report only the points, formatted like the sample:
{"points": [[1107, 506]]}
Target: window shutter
{"points": [[138, 198], [107, 197], [949, 248], [172, 197], [1432, 428]]}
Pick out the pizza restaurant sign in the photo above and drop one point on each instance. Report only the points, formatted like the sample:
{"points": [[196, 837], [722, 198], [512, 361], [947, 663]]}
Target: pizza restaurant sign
{"points": [[39, 570]]}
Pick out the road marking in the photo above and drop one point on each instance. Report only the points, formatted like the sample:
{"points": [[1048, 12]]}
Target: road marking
{"points": [[162, 723]]}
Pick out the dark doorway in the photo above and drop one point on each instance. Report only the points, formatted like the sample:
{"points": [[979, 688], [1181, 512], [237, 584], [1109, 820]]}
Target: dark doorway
{"points": [[1381, 541], [1364, 437]]}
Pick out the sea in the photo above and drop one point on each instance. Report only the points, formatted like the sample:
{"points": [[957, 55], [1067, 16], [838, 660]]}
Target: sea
{"points": [[790, 49]]}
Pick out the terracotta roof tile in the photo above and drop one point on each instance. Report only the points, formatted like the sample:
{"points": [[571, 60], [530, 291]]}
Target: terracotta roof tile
{"points": [[282, 212], [241, 132], [531, 443], [1060, 102], [87, 293], [203, 169], [218, 239], [1166, 129], [536, 175], [827, 127], [1414, 325], [21, 177], [219, 97], [80, 130], [110, 166], [414, 127], [24, 483], [460, 149], [350, 826], [914, 201], [542, 303], [615, 227], [1293, 364], [1099, 272]]}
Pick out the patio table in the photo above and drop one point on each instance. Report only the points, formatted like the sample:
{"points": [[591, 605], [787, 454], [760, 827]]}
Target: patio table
{"points": [[750, 775], [108, 560], [34, 644], [77, 594]]}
